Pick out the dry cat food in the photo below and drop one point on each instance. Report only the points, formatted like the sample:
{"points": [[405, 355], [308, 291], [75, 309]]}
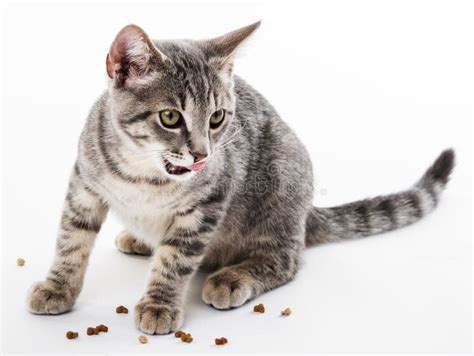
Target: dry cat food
{"points": [[221, 341], [260, 308], [286, 312], [143, 339], [97, 329], [72, 335], [121, 310], [186, 338], [20, 262], [92, 331], [179, 333], [102, 328]]}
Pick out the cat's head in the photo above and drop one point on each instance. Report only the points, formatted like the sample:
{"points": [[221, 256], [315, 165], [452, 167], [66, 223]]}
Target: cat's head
{"points": [[172, 101]]}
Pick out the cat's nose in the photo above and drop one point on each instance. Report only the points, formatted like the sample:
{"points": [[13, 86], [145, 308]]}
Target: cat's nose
{"points": [[198, 156]]}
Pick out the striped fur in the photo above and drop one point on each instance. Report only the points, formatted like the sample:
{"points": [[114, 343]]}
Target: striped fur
{"points": [[246, 216], [373, 216]]}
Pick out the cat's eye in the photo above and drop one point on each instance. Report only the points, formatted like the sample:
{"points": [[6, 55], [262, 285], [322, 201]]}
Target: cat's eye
{"points": [[217, 118], [170, 118]]}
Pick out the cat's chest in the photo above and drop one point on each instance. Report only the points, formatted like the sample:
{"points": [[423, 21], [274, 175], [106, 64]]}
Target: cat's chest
{"points": [[146, 210]]}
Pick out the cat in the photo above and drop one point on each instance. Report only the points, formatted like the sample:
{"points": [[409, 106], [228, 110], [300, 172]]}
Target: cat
{"points": [[204, 175]]}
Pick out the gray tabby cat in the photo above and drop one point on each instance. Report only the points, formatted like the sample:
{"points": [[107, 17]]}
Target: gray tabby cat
{"points": [[204, 173]]}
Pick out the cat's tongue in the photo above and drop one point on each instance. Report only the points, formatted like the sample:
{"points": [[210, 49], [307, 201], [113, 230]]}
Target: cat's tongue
{"points": [[198, 166]]}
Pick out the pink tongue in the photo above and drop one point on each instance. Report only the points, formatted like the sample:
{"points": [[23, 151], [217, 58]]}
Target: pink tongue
{"points": [[198, 166]]}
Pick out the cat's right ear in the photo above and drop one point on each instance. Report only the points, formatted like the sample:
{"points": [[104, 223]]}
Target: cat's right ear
{"points": [[133, 58]]}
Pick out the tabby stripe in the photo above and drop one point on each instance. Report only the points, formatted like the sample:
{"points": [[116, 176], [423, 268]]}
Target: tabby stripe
{"points": [[137, 118], [213, 198], [90, 190], [386, 208], [64, 252], [77, 171], [186, 212], [363, 223], [84, 225], [135, 137], [59, 282], [114, 168], [209, 221], [184, 233], [187, 248], [414, 203]]}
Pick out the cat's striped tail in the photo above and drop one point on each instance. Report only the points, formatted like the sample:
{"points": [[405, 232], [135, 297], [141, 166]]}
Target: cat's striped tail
{"points": [[384, 213]]}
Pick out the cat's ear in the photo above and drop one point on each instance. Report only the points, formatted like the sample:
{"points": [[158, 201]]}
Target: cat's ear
{"points": [[221, 50], [132, 56]]}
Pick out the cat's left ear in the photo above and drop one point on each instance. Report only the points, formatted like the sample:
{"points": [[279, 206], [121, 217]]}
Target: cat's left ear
{"points": [[221, 50]]}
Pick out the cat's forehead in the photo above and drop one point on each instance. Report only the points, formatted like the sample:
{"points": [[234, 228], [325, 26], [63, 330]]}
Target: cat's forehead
{"points": [[187, 62], [191, 80]]}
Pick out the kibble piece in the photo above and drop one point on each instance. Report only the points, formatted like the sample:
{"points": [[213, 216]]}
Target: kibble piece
{"points": [[260, 308], [221, 341], [186, 338], [20, 262], [143, 339], [92, 331], [179, 333], [286, 312], [72, 335], [121, 310], [102, 328]]}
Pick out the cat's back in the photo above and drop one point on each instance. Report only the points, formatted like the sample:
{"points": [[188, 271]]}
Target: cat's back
{"points": [[268, 152], [269, 139]]}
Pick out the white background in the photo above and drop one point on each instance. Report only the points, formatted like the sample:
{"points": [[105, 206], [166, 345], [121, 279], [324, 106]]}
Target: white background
{"points": [[375, 90]]}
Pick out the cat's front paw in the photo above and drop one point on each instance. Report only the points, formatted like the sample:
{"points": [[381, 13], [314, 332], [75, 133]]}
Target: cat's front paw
{"points": [[127, 243], [152, 317], [227, 288], [47, 298]]}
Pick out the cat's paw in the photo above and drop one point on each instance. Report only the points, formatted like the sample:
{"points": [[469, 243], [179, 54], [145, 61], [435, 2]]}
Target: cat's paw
{"points": [[154, 318], [227, 289], [46, 298], [127, 243]]}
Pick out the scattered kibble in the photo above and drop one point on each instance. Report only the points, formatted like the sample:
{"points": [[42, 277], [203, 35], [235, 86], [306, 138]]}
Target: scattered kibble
{"points": [[72, 335], [260, 308], [143, 339], [20, 262], [102, 328], [179, 333], [92, 331], [121, 310], [286, 312], [221, 341], [186, 338]]}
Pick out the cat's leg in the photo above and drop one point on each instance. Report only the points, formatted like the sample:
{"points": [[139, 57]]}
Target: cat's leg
{"points": [[264, 270], [160, 310], [83, 214], [127, 243]]}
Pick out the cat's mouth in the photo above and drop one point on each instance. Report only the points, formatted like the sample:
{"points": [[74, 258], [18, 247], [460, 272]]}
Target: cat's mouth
{"points": [[175, 170]]}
